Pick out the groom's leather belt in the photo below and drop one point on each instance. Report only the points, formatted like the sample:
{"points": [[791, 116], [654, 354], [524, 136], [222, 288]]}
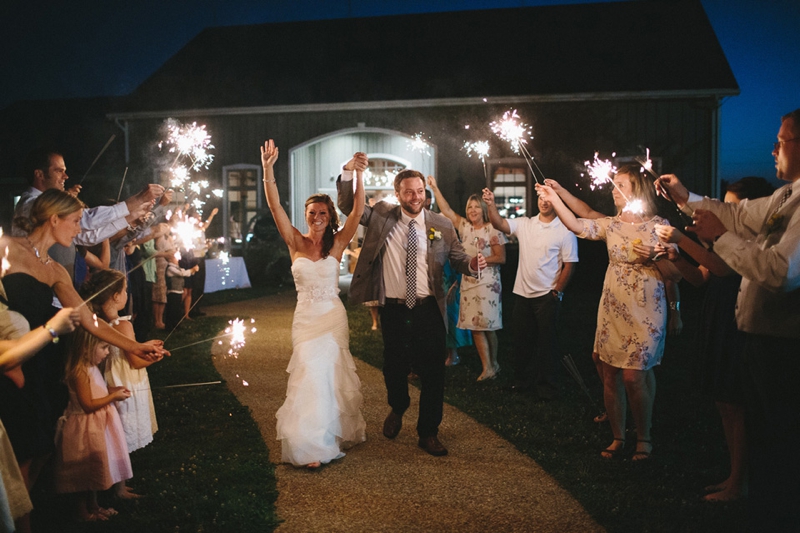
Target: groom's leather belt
{"points": [[402, 301]]}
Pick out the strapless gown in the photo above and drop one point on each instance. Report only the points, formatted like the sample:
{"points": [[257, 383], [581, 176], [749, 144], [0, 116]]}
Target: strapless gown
{"points": [[322, 412], [30, 413]]}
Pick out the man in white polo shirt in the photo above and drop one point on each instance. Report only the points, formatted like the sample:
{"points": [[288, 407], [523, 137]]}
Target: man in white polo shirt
{"points": [[548, 252]]}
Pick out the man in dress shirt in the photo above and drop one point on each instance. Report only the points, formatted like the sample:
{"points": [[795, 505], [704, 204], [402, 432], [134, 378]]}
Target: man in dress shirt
{"points": [[46, 170], [410, 291], [760, 239], [548, 252]]}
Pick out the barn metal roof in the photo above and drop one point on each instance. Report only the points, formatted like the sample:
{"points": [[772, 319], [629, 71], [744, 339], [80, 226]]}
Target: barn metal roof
{"points": [[603, 50]]}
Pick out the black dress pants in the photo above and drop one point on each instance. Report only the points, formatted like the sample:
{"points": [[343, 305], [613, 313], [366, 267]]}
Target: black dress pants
{"points": [[414, 339]]}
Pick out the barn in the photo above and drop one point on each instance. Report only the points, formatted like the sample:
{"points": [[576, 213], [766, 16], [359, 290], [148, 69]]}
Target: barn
{"points": [[614, 78]]}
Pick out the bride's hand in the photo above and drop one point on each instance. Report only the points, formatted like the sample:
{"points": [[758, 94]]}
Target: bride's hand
{"points": [[269, 154]]}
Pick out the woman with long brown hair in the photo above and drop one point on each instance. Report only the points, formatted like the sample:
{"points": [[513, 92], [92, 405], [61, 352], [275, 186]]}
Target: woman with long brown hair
{"points": [[322, 412]]}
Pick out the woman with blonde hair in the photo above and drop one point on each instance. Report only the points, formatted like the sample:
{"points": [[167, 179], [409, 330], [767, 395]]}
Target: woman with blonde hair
{"points": [[632, 316], [480, 306], [31, 281]]}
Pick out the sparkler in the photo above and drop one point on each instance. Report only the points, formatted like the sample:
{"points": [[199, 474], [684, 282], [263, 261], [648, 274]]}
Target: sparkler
{"points": [[236, 331], [481, 150], [108, 143], [572, 368], [647, 166], [418, 144], [600, 171], [192, 141], [513, 131], [184, 317], [635, 206], [181, 385], [121, 184]]}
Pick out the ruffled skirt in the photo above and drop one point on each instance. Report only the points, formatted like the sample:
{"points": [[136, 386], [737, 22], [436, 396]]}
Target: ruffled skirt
{"points": [[322, 412]]}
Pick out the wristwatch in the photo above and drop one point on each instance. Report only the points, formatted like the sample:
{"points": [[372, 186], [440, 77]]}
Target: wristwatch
{"points": [[558, 294]]}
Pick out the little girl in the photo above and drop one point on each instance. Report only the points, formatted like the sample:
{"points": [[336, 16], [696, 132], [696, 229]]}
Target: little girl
{"points": [[123, 369], [91, 454]]}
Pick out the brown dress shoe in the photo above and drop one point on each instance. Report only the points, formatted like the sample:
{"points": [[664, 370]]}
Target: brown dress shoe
{"points": [[432, 446], [392, 425]]}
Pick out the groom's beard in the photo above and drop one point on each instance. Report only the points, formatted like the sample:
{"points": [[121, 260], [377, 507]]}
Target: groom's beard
{"points": [[411, 209]]}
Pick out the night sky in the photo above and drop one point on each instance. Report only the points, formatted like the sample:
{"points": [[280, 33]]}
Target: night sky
{"points": [[83, 48]]}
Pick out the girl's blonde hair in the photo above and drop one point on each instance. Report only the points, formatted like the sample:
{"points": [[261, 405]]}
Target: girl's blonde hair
{"points": [[80, 351], [105, 283]]}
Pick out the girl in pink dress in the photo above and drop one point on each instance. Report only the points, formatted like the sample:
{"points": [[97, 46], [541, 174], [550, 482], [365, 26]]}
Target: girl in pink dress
{"points": [[91, 453]]}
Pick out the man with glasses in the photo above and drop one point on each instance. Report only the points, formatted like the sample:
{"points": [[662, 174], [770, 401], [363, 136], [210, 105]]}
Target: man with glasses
{"points": [[760, 239]]}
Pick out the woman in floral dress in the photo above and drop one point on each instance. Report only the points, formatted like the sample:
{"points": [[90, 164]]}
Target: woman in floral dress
{"points": [[480, 305], [633, 311]]}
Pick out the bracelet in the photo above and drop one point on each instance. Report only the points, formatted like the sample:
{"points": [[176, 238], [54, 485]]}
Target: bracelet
{"points": [[52, 332], [675, 306], [269, 181]]}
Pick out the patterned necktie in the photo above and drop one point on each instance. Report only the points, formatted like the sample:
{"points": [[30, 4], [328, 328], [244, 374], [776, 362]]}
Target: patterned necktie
{"points": [[411, 266], [786, 194]]}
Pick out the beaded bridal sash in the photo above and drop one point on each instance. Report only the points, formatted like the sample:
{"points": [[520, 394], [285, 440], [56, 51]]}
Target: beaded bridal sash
{"points": [[317, 294]]}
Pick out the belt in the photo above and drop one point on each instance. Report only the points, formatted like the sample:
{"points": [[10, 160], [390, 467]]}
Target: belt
{"points": [[402, 301]]}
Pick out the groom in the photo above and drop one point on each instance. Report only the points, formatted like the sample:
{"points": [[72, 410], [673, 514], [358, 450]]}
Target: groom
{"points": [[405, 248]]}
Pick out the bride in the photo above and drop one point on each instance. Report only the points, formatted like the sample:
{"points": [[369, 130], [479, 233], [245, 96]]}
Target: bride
{"points": [[321, 414]]}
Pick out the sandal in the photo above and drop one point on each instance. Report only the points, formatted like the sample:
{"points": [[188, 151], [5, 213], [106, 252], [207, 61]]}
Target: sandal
{"points": [[641, 455], [613, 453]]}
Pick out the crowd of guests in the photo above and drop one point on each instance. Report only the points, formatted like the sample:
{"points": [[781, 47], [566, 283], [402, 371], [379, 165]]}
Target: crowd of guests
{"points": [[81, 407], [746, 249], [79, 286]]}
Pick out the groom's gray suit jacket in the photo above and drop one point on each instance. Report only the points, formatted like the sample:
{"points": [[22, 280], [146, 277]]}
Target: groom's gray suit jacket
{"points": [[367, 284]]}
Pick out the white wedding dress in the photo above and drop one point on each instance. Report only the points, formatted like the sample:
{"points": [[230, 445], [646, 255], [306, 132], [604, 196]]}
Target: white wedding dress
{"points": [[322, 412]]}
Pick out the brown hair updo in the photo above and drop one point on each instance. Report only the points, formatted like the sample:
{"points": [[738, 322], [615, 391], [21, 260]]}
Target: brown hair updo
{"points": [[50, 202]]}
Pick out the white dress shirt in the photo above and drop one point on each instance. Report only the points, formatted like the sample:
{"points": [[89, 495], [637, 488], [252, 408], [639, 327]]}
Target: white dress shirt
{"points": [[97, 223], [767, 256], [394, 261]]}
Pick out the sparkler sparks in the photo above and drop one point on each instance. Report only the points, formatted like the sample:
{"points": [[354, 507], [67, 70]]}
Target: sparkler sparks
{"points": [[479, 148], [515, 132], [647, 163], [512, 130], [236, 331], [192, 141], [635, 206], [601, 171], [418, 144]]}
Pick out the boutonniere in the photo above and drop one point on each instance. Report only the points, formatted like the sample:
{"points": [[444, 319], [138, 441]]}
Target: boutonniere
{"points": [[434, 234], [774, 223]]}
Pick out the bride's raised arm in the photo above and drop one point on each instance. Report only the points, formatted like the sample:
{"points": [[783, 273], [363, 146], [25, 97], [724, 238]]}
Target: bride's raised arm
{"points": [[343, 238], [269, 154]]}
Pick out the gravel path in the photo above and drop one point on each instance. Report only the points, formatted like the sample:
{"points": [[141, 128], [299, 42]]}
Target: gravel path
{"points": [[484, 484]]}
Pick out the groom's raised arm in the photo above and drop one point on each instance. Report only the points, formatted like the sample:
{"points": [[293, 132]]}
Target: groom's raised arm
{"points": [[344, 192], [344, 183]]}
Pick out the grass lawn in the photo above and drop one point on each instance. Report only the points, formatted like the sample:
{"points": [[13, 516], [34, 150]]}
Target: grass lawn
{"points": [[662, 494], [207, 469]]}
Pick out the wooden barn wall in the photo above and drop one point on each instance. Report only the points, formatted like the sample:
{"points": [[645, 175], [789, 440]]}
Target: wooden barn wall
{"points": [[677, 131]]}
